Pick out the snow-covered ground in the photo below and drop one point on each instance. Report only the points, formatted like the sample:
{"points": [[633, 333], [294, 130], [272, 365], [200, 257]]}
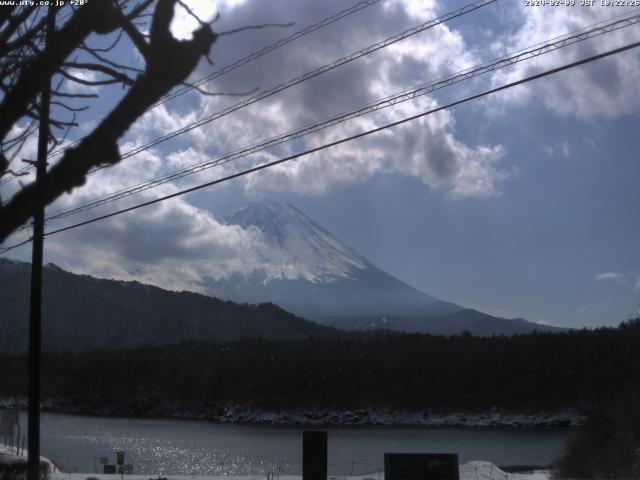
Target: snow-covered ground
{"points": [[9, 456], [476, 470]]}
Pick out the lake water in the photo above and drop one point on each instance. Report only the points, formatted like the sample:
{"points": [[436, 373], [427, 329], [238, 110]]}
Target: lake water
{"points": [[186, 447]]}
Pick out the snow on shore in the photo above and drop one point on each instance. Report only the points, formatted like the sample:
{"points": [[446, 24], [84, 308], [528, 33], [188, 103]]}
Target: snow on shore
{"points": [[393, 418], [476, 470], [8, 456], [238, 414]]}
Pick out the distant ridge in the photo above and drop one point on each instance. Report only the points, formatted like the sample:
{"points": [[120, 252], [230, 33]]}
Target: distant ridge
{"points": [[467, 320], [84, 313], [304, 270]]}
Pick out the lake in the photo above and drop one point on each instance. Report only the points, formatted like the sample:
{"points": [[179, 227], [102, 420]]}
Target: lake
{"points": [[188, 447]]}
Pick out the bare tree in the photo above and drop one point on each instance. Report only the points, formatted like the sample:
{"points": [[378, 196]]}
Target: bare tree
{"points": [[26, 64]]}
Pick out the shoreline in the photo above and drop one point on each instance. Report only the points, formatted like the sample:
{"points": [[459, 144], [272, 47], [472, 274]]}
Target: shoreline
{"points": [[330, 418]]}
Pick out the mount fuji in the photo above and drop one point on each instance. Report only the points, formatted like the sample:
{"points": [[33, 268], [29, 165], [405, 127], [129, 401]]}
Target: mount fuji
{"points": [[306, 270]]}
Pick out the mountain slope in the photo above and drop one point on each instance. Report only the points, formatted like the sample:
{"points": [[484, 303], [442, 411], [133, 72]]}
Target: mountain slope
{"points": [[83, 313], [308, 271]]}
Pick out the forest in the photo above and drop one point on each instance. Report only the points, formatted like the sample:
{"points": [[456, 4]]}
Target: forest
{"points": [[533, 372]]}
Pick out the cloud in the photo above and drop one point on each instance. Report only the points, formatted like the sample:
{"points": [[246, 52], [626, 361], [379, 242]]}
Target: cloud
{"points": [[429, 149], [563, 149], [177, 246], [432, 149], [172, 245], [611, 276], [629, 278], [425, 150], [605, 89]]}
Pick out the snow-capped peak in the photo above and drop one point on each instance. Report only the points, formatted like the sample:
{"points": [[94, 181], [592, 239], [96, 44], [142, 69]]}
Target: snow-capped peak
{"points": [[295, 246]]}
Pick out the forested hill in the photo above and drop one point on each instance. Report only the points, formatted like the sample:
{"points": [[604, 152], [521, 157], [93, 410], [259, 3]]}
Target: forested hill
{"points": [[540, 371], [83, 313]]}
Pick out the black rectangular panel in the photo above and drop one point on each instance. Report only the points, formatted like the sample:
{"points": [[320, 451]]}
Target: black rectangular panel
{"points": [[314, 455], [421, 466]]}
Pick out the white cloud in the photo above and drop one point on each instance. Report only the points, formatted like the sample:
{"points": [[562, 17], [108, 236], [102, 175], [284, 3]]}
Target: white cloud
{"points": [[563, 148], [428, 149], [417, 9], [623, 279], [424, 149], [610, 276], [172, 245], [607, 88]]}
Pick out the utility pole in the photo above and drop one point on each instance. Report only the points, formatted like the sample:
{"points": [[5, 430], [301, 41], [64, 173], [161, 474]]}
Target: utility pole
{"points": [[35, 315]]}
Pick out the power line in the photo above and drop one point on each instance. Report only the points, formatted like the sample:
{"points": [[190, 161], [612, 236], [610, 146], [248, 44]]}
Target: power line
{"points": [[463, 75], [508, 60], [307, 76], [229, 68], [338, 142], [268, 49]]}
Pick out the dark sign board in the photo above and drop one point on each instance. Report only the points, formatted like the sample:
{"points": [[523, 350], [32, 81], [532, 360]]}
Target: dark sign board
{"points": [[314, 455], [128, 468], [421, 466], [109, 469]]}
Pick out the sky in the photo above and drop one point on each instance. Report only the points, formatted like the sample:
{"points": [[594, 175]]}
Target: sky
{"points": [[519, 204]]}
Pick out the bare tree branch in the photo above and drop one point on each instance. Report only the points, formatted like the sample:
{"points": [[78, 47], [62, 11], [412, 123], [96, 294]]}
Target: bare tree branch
{"points": [[25, 37], [136, 37], [191, 13], [138, 9], [99, 57], [105, 49], [92, 17], [96, 67], [13, 26], [89, 83], [70, 108], [75, 95], [169, 63]]}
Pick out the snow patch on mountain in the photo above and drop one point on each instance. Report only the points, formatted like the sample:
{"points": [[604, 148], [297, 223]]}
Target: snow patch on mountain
{"points": [[295, 247]]}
